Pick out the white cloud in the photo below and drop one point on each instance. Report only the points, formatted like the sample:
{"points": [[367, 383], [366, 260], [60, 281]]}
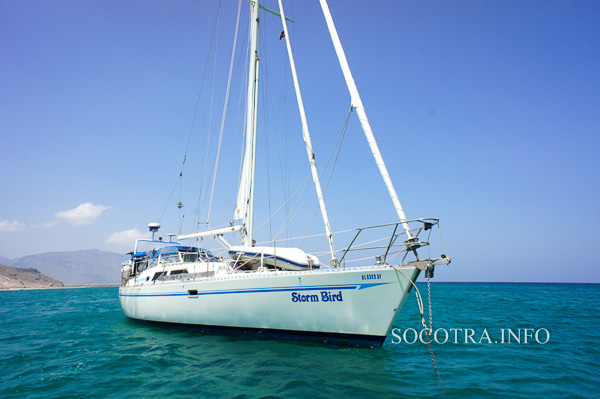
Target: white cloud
{"points": [[83, 214], [15, 225], [126, 237], [48, 224]]}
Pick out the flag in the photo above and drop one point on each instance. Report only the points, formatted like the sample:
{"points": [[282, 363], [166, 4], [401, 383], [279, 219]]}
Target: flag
{"points": [[282, 35]]}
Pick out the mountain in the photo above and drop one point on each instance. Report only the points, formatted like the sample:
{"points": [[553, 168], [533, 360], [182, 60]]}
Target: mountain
{"points": [[6, 261], [14, 278], [88, 267]]}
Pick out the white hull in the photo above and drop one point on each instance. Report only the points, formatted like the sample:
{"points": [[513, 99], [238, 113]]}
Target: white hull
{"points": [[356, 305]]}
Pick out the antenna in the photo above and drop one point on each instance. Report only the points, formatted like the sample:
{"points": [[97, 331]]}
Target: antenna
{"points": [[153, 227]]}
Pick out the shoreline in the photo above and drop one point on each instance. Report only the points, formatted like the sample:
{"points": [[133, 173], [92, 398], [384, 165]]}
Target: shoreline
{"points": [[56, 288]]}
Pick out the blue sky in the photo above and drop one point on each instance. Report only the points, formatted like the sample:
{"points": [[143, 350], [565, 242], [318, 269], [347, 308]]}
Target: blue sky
{"points": [[487, 114]]}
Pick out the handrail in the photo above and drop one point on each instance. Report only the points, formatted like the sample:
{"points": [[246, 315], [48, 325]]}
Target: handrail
{"points": [[423, 243], [428, 223]]}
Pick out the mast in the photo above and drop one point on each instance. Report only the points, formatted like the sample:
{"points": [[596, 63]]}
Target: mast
{"points": [[356, 103], [307, 141], [245, 204]]}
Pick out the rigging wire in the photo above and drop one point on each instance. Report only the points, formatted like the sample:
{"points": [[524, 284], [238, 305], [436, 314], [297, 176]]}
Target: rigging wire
{"points": [[318, 235], [236, 131], [245, 112], [226, 103], [287, 90], [179, 179], [201, 88], [300, 188], [208, 111], [201, 216], [339, 141], [169, 200], [267, 98], [287, 172], [290, 219]]}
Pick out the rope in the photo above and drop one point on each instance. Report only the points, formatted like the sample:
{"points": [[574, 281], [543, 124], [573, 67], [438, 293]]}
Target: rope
{"points": [[427, 330]]}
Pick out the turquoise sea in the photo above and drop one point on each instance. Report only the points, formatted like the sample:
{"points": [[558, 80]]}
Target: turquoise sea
{"points": [[76, 343]]}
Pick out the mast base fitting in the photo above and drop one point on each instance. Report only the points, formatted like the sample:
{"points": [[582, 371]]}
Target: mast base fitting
{"points": [[412, 244]]}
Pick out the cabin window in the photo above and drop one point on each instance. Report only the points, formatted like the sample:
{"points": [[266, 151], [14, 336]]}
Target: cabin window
{"points": [[193, 293], [171, 258], [175, 272], [156, 275], [140, 265], [190, 257]]}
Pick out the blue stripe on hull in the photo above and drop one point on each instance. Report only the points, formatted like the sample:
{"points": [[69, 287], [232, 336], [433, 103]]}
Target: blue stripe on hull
{"points": [[259, 290], [354, 340]]}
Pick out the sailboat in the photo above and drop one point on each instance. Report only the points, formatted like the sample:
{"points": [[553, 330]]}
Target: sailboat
{"points": [[278, 291]]}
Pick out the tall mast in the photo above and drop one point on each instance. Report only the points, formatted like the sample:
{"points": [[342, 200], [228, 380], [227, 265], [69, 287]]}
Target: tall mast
{"points": [[307, 141], [251, 106], [356, 103]]}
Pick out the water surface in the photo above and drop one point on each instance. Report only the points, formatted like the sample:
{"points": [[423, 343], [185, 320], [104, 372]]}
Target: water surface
{"points": [[77, 343]]}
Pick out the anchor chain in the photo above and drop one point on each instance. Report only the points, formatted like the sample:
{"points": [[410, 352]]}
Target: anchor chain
{"points": [[421, 310], [428, 332]]}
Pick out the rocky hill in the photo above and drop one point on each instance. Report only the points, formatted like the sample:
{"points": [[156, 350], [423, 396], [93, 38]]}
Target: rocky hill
{"points": [[87, 267], [18, 278]]}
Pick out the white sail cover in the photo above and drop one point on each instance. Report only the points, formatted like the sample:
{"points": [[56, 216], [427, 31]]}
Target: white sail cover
{"points": [[285, 258]]}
